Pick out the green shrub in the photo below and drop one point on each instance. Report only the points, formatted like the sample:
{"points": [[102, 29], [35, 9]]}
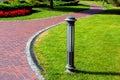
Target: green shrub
{"points": [[41, 4], [6, 1], [31, 2], [67, 0], [116, 2], [4, 6], [63, 3]]}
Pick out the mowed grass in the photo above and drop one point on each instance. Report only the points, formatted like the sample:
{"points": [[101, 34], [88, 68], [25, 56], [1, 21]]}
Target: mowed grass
{"points": [[97, 49], [44, 12]]}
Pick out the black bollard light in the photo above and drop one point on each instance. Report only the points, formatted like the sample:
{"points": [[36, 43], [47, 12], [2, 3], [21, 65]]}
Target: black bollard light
{"points": [[70, 43]]}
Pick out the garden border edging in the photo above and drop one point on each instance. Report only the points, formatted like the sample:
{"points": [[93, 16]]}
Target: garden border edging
{"points": [[32, 60]]}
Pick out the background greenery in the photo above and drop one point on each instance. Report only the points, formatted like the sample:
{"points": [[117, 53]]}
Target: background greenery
{"points": [[41, 10], [114, 2]]}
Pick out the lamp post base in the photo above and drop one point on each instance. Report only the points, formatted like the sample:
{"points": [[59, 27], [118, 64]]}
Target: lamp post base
{"points": [[70, 69]]}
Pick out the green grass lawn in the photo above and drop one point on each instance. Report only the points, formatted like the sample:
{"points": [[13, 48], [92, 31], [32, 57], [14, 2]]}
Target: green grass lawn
{"points": [[97, 49], [42, 12]]}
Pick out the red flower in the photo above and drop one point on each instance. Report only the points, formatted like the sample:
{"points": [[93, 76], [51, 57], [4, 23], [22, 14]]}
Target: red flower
{"points": [[18, 12]]}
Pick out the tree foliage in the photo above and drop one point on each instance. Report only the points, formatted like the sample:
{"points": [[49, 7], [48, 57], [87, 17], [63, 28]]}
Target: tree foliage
{"points": [[114, 2]]}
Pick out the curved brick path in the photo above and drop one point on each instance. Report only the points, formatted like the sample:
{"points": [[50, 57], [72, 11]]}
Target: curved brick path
{"points": [[13, 38]]}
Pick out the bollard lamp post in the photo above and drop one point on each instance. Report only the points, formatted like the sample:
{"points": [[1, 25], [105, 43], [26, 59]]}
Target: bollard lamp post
{"points": [[70, 43]]}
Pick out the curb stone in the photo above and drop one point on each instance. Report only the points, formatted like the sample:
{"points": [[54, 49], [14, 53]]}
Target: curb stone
{"points": [[32, 60]]}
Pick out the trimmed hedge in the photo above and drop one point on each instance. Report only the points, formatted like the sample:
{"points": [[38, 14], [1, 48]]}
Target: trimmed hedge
{"points": [[70, 3], [14, 6]]}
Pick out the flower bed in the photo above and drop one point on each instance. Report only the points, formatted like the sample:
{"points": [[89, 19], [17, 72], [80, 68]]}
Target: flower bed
{"points": [[15, 12], [14, 9]]}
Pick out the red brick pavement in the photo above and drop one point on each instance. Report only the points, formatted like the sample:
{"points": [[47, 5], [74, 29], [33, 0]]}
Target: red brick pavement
{"points": [[13, 38]]}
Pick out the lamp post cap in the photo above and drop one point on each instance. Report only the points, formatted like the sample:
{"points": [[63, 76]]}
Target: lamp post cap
{"points": [[70, 18]]}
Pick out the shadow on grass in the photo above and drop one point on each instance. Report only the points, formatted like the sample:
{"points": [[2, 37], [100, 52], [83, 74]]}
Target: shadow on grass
{"points": [[104, 12], [35, 11], [98, 73], [91, 11], [73, 8], [112, 11]]}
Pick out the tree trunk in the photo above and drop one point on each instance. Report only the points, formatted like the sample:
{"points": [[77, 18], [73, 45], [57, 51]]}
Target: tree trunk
{"points": [[51, 4]]}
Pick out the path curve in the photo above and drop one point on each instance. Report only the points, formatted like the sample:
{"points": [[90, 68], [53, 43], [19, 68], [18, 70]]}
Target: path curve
{"points": [[13, 38]]}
